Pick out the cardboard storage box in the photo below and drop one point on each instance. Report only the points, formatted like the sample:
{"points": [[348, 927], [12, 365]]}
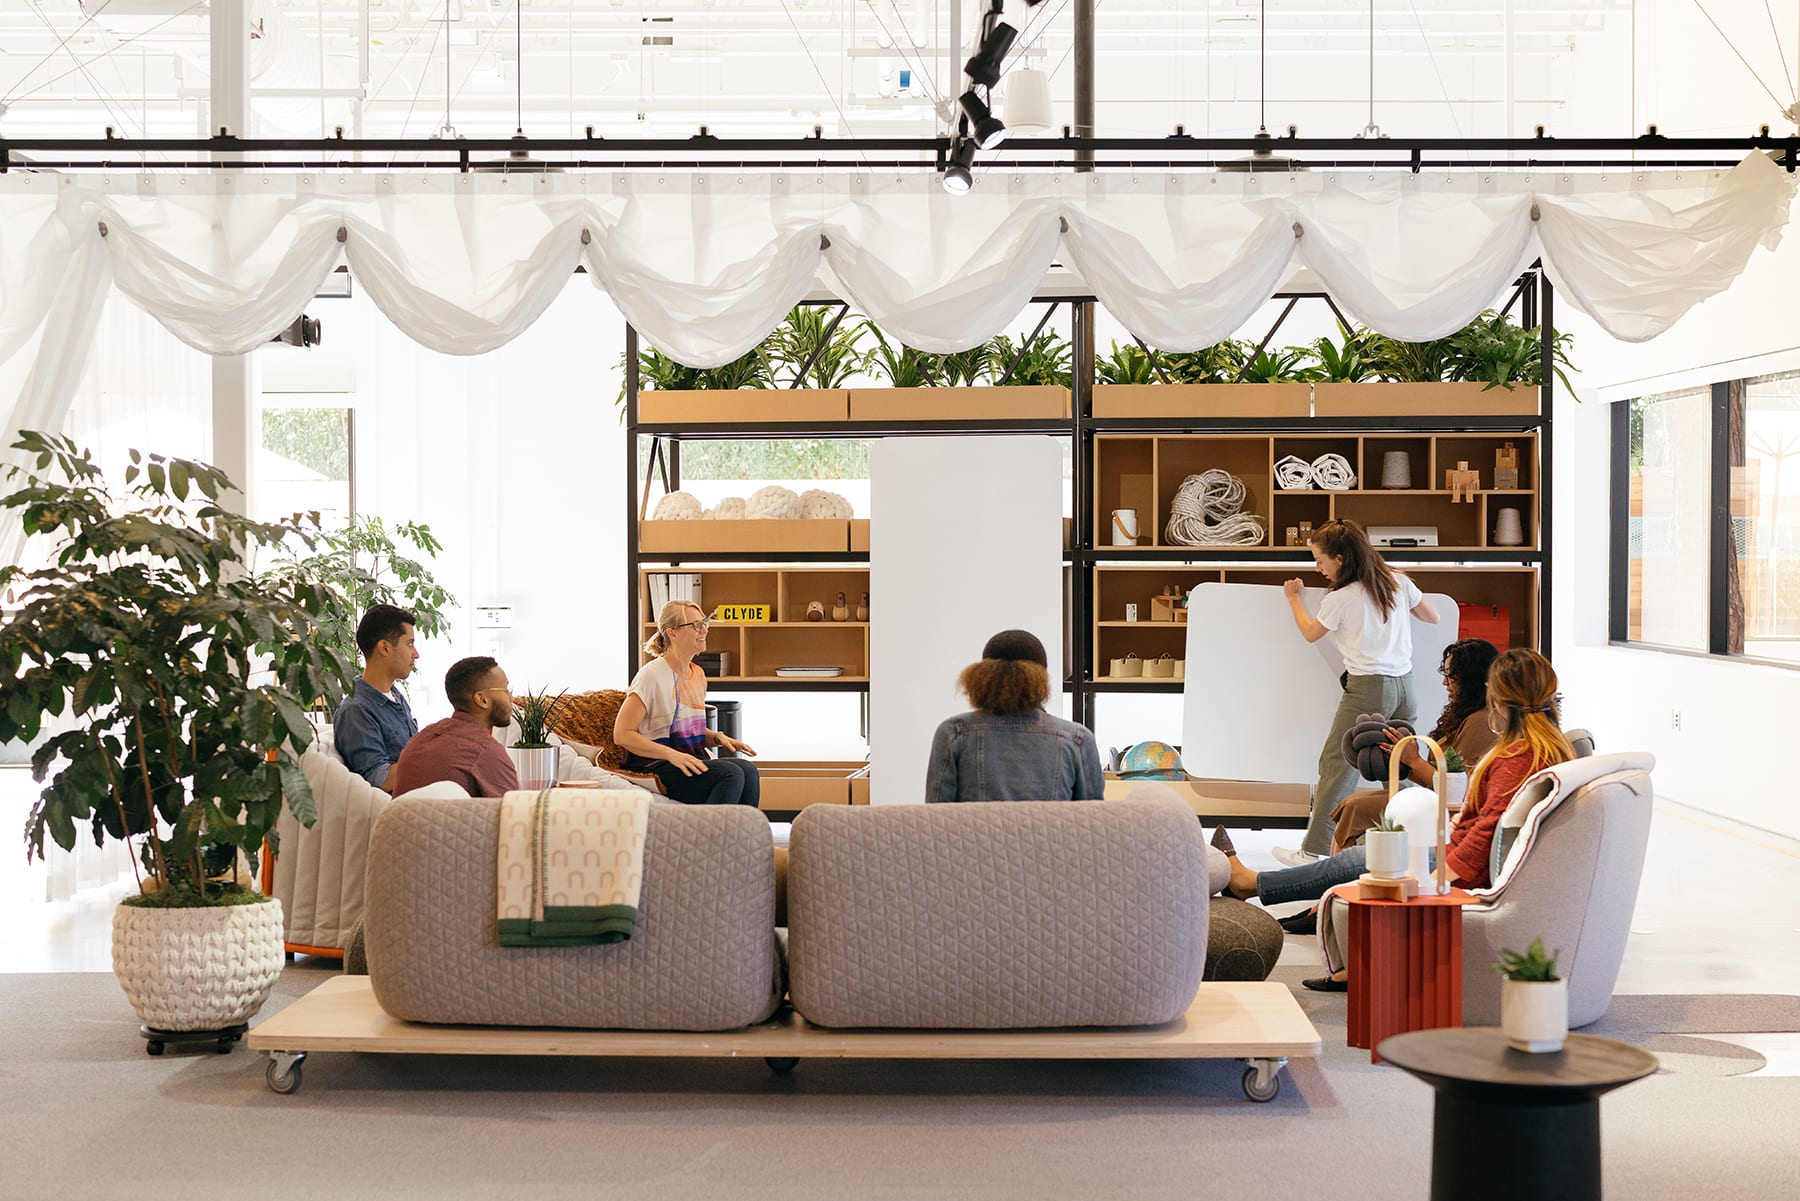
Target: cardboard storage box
{"points": [[795, 785], [700, 537], [776, 405], [1412, 400], [1202, 400], [959, 404]]}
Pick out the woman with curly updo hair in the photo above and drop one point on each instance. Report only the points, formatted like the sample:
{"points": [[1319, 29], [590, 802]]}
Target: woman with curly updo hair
{"points": [[1009, 748]]}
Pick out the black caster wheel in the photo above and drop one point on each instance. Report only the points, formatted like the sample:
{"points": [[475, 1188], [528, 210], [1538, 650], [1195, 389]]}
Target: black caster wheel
{"points": [[153, 1047], [1256, 1089], [783, 1064], [282, 1082], [223, 1046]]}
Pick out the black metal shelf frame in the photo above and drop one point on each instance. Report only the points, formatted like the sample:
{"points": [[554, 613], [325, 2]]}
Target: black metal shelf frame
{"points": [[1533, 296]]}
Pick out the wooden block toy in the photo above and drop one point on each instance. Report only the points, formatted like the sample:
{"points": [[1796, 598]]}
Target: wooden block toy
{"points": [[1168, 606], [1506, 468], [1462, 482], [1368, 888]]}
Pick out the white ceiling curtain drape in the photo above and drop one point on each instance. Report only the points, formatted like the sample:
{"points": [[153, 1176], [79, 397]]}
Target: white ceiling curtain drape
{"points": [[706, 264]]}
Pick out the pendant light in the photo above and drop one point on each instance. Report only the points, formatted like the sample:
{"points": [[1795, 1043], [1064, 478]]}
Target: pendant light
{"points": [[1263, 156], [518, 159], [1026, 104]]}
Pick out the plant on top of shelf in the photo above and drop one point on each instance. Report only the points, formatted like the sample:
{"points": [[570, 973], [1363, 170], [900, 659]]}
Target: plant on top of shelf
{"points": [[1219, 363], [1496, 351], [962, 368], [657, 371], [1127, 364], [904, 367], [752, 369], [1392, 360], [1345, 363], [1284, 366], [806, 340], [1042, 361]]}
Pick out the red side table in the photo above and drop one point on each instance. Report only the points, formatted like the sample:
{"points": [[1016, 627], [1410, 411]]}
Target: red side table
{"points": [[1405, 961]]}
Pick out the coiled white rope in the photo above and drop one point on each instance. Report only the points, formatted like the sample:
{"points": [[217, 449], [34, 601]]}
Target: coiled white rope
{"points": [[1205, 512], [1293, 472], [1333, 472]]}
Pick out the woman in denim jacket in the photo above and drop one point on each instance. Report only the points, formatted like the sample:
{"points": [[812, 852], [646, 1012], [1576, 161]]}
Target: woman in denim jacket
{"points": [[1009, 748]]}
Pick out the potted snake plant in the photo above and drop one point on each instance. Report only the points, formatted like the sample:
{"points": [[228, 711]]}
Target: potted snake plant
{"points": [[1534, 1000], [533, 755]]}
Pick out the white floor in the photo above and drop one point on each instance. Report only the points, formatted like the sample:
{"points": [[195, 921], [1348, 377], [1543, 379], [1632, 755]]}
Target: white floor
{"points": [[1717, 912]]}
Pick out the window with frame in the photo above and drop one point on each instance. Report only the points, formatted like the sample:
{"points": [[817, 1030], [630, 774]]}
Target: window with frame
{"points": [[1669, 440], [1765, 518]]}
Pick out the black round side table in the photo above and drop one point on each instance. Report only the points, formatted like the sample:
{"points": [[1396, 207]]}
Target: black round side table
{"points": [[1512, 1124]]}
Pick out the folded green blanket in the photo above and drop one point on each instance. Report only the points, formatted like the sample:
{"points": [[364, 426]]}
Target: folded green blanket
{"points": [[571, 866]]}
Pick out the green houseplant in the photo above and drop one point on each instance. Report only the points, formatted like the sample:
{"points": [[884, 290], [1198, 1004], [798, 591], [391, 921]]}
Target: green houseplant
{"points": [[144, 631], [366, 563], [1534, 999], [533, 755], [1385, 843], [901, 366], [807, 341], [1042, 361], [1127, 364]]}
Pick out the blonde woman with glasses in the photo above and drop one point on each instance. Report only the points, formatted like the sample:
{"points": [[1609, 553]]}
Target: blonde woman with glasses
{"points": [[661, 727]]}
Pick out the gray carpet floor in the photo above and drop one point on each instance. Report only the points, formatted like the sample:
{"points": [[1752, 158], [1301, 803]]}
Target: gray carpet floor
{"points": [[88, 1114]]}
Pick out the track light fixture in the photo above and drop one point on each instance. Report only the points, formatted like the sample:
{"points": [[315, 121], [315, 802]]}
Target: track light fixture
{"points": [[990, 130], [984, 67], [958, 178]]}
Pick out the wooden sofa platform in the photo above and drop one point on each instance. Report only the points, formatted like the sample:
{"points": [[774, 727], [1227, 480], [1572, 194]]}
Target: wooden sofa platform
{"points": [[1259, 1022]]}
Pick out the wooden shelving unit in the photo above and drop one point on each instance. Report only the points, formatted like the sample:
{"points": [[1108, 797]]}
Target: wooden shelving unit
{"points": [[758, 648]]}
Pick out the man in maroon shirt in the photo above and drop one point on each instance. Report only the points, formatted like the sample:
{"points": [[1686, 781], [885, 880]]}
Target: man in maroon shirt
{"points": [[462, 748]]}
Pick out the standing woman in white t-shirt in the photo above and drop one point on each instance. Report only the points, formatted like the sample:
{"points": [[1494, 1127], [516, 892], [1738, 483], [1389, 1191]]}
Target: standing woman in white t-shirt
{"points": [[661, 725], [1365, 611]]}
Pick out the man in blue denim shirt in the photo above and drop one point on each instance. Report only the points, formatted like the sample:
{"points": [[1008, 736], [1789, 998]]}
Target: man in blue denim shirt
{"points": [[375, 722]]}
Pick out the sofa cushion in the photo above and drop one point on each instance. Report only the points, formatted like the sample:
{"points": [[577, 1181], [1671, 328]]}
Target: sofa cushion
{"points": [[701, 958], [996, 915]]}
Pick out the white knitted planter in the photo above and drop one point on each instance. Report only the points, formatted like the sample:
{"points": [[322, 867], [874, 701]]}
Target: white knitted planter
{"points": [[197, 969]]}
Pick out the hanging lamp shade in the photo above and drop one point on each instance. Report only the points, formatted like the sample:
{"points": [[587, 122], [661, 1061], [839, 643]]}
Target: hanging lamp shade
{"points": [[1026, 106]]}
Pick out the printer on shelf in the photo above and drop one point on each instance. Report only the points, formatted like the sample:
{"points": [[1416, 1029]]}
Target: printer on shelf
{"points": [[1403, 535]]}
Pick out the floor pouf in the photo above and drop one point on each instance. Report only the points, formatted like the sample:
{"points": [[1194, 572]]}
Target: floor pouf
{"points": [[1242, 942]]}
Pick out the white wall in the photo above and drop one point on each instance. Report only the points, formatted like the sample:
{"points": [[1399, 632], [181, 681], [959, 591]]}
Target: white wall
{"points": [[1733, 715]]}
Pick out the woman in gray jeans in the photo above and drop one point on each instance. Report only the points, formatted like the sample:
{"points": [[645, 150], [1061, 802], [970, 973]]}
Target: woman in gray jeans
{"points": [[1009, 748]]}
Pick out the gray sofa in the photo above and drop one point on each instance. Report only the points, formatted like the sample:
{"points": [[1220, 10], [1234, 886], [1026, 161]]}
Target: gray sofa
{"points": [[996, 916], [703, 956]]}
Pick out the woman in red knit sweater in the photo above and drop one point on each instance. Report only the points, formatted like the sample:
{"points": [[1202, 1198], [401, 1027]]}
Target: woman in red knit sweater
{"points": [[1522, 711]]}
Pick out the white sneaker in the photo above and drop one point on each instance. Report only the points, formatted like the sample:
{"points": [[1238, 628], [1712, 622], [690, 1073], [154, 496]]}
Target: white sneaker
{"points": [[1289, 858]]}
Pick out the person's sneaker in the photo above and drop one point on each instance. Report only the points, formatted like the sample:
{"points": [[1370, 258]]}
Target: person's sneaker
{"points": [[1289, 858]]}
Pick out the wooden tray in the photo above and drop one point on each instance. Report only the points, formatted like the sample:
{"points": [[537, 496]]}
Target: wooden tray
{"points": [[1413, 400], [1202, 400], [808, 405]]}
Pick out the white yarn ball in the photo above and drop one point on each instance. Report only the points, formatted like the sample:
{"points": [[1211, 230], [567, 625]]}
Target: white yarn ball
{"points": [[773, 503], [678, 506], [729, 509], [819, 504]]}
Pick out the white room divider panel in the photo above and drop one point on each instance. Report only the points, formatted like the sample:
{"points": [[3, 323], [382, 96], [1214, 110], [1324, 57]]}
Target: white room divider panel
{"points": [[965, 540], [1259, 698]]}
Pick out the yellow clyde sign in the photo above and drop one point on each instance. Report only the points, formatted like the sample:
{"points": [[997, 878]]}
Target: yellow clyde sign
{"points": [[741, 613]]}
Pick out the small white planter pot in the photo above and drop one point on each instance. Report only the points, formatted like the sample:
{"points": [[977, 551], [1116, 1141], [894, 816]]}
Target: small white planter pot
{"points": [[197, 969], [536, 765], [1534, 1014], [1386, 853]]}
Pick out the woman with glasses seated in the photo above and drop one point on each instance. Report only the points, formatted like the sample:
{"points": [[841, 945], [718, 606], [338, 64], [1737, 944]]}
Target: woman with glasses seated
{"points": [[1009, 748], [661, 727]]}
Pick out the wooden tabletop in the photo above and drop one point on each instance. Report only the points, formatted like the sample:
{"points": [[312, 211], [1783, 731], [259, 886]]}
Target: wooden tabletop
{"points": [[1480, 1055], [1456, 896]]}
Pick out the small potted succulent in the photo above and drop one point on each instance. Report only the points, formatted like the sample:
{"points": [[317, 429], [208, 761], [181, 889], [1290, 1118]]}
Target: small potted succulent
{"points": [[1385, 842], [1534, 1000], [533, 756]]}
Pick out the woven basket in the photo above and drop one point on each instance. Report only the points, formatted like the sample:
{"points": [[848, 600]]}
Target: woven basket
{"points": [[197, 969]]}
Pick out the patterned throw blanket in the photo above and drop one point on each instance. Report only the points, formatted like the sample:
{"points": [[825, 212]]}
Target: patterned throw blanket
{"points": [[571, 866]]}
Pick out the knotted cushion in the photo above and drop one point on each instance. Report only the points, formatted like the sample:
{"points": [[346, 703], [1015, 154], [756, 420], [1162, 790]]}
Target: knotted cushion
{"points": [[996, 915], [1243, 941], [1362, 744]]}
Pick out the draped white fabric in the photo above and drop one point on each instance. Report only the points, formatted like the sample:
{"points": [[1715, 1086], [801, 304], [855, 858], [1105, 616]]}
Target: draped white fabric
{"points": [[706, 264]]}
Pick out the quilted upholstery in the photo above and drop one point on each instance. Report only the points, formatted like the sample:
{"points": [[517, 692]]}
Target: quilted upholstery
{"points": [[702, 957], [998, 915], [319, 873]]}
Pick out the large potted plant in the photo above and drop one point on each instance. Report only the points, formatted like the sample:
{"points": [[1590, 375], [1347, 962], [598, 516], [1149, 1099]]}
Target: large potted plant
{"points": [[1534, 1000], [533, 756], [366, 563], [183, 677]]}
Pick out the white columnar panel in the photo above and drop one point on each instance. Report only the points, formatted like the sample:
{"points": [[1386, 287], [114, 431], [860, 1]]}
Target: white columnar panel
{"points": [[1259, 698], [965, 541]]}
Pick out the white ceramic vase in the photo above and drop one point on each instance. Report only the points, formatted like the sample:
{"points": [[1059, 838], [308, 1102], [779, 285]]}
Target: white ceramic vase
{"points": [[197, 969], [1386, 853], [1124, 527], [536, 765], [1534, 1014]]}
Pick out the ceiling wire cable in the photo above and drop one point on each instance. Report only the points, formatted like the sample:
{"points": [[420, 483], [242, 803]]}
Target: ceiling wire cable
{"points": [[107, 100], [1740, 56], [1435, 70], [13, 98], [419, 88], [86, 19], [1779, 52], [811, 58], [931, 90]]}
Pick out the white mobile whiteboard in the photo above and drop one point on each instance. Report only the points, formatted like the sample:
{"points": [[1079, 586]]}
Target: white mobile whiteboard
{"points": [[1259, 698], [965, 540]]}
